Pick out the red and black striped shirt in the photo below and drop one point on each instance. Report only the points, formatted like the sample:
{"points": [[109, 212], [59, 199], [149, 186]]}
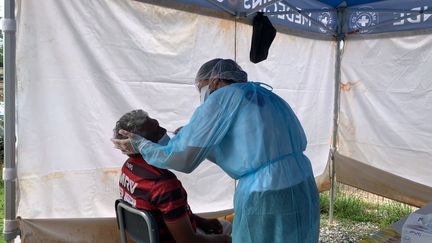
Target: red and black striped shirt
{"points": [[156, 190]]}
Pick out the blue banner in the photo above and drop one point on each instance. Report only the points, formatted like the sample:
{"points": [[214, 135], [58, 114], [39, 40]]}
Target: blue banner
{"points": [[321, 17], [386, 16]]}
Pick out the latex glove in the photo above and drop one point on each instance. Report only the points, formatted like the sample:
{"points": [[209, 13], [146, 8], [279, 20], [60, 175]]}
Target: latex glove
{"points": [[130, 145]]}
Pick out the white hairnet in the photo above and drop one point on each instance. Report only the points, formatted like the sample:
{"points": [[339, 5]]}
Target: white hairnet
{"points": [[228, 69], [206, 69], [219, 68]]}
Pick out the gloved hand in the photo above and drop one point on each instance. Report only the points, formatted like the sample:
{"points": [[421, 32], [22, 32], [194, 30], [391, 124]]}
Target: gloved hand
{"points": [[130, 145]]}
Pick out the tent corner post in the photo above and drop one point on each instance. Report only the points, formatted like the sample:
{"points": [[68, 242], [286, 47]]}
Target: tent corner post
{"points": [[332, 187], [11, 229], [340, 38], [334, 147], [11, 235]]}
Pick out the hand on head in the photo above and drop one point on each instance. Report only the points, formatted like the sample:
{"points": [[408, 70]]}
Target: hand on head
{"points": [[125, 145]]}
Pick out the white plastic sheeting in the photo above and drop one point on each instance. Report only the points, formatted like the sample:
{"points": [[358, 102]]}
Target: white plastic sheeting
{"points": [[82, 64], [386, 105]]}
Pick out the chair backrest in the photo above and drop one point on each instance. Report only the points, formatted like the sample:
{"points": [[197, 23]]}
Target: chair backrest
{"points": [[139, 224]]}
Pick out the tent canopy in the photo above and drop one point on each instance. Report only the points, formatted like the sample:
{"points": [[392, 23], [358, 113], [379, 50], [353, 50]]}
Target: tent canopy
{"points": [[336, 3], [330, 17]]}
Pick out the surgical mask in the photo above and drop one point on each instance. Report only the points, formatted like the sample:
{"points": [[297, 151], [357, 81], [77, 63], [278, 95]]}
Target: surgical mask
{"points": [[204, 93], [164, 140]]}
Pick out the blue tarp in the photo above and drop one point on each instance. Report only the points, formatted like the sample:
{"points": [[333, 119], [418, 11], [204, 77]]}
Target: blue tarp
{"points": [[332, 17]]}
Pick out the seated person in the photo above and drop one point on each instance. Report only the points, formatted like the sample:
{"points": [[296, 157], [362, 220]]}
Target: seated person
{"points": [[159, 191]]}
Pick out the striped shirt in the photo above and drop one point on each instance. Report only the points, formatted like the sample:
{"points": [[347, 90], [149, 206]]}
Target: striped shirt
{"points": [[155, 190]]}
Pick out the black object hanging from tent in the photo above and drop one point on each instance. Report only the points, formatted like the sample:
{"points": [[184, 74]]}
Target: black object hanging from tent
{"points": [[262, 37]]}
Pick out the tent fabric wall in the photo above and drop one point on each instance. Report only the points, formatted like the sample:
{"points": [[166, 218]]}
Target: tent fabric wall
{"points": [[381, 182], [386, 105], [94, 230], [82, 64]]}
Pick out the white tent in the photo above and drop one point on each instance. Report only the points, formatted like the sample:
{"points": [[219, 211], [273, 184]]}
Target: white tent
{"points": [[82, 64]]}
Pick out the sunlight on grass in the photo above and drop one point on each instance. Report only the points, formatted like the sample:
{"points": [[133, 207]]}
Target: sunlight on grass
{"points": [[351, 207]]}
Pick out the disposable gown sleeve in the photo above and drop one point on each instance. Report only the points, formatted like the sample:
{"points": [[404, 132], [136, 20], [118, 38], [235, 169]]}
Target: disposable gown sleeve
{"points": [[206, 129]]}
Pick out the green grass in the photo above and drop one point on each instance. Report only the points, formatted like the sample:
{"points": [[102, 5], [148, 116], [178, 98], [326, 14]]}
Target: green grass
{"points": [[353, 208]]}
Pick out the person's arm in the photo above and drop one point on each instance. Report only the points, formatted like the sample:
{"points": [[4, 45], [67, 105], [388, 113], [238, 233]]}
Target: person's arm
{"points": [[194, 142], [185, 151], [209, 226], [160, 156], [170, 199], [182, 232]]}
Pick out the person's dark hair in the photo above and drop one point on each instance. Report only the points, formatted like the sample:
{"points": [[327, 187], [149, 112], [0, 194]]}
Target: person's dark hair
{"points": [[139, 122]]}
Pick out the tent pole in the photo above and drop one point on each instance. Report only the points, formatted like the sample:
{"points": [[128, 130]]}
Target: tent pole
{"points": [[339, 45], [335, 130], [10, 229]]}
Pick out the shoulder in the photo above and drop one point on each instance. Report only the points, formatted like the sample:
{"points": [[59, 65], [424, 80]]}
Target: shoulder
{"points": [[237, 91], [168, 193], [140, 168], [167, 182], [228, 95], [233, 89]]}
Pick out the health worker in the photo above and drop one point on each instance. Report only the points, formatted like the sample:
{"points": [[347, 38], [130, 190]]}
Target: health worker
{"points": [[255, 137]]}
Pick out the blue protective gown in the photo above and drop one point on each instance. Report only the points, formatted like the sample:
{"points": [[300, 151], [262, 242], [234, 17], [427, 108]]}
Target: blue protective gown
{"points": [[256, 138]]}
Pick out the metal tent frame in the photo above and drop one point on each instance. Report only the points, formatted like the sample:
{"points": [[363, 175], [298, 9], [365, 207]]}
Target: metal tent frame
{"points": [[10, 230]]}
